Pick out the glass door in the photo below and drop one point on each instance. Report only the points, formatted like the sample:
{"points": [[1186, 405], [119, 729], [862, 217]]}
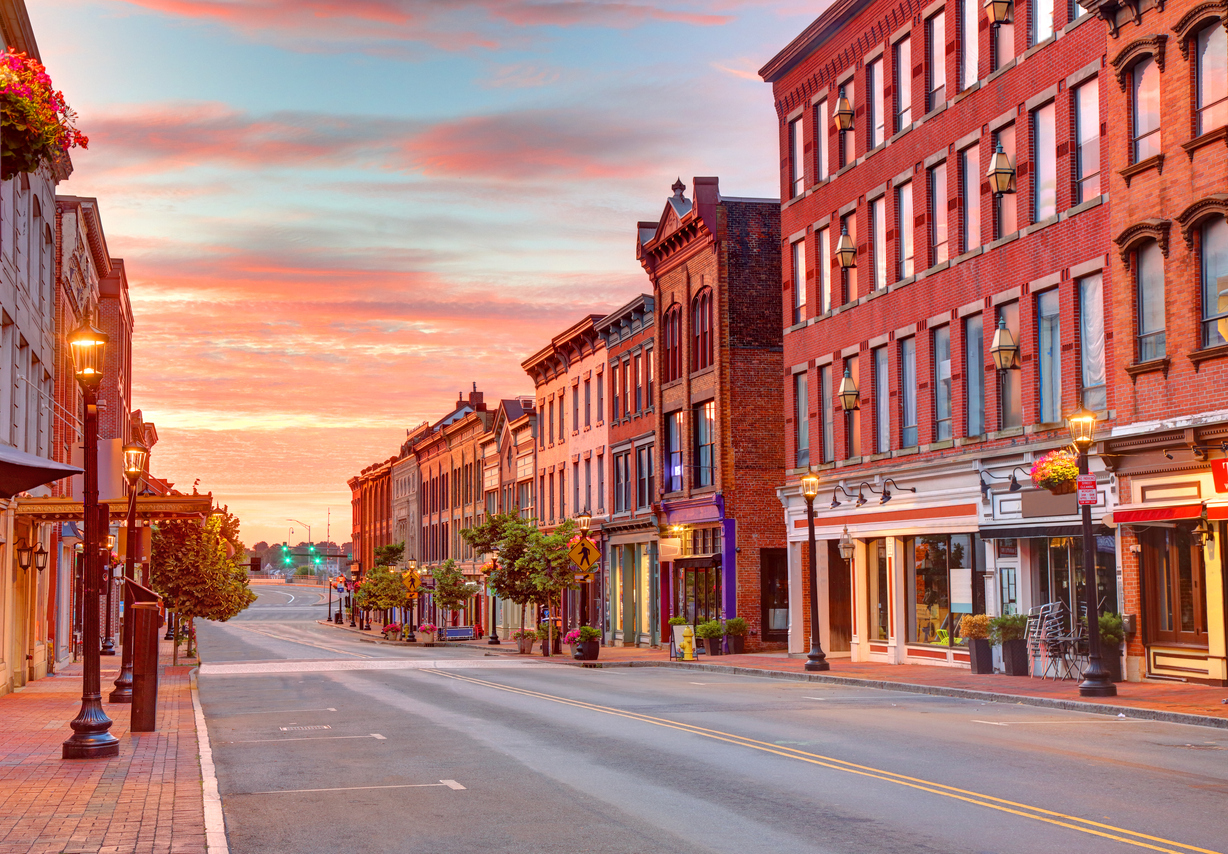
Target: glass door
{"points": [[1176, 595]]}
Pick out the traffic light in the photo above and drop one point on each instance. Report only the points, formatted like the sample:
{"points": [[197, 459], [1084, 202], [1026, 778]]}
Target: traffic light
{"points": [[285, 554]]}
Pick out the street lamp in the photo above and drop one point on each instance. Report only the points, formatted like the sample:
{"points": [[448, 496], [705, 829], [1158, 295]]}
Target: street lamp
{"points": [[1096, 681], [843, 118], [848, 395], [354, 574], [136, 460], [998, 12], [91, 737], [816, 659], [25, 556], [40, 558], [846, 545], [846, 255]]}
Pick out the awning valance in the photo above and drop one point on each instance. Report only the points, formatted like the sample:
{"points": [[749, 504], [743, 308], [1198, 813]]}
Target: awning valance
{"points": [[20, 471], [149, 508], [698, 562], [1022, 532], [1137, 514]]}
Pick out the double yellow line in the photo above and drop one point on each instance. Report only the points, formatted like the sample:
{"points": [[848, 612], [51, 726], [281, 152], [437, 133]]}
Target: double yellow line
{"points": [[1082, 825]]}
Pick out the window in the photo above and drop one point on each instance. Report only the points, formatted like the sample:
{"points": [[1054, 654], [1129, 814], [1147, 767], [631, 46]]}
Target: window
{"points": [[821, 162], [644, 480], [904, 242], [878, 237], [1012, 387], [1008, 218], [882, 402], [614, 410], [575, 408], [622, 482], [551, 421], [848, 141], [974, 375], [876, 114], [1044, 162], [936, 43], [970, 193], [938, 213], [600, 398], [1145, 108], [541, 428], [822, 272], [942, 383], [969, 54], [797, 177], [588, 403], [1213, 249], [626, 390], [853, 422], [903, 84], [701, 330], [601, 481], [1149, 281], [550, 491], [671, 369], [1042, 20], [1049, 339], [563, 492], [1003, 44], [575, 488], [940, 584], [1087, 137], [639, 383], [588, 485], [908, 392], [849, 276], [524, 499], [673, 450], [1211, 52], [799, 281], [562, 416], [705, 443], [801, 409], [649, 368], [1091, 342], [826, 404]]}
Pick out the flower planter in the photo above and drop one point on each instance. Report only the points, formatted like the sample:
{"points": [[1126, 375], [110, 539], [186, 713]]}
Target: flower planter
{"points": [[981, 655], [737, 644], [1110, 658], [713, 645], [525, 646], [1064, 488], [1015, 657], [586, 650]]}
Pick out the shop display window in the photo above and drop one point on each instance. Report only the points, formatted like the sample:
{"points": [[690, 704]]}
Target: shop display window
{"points": [[941, 569]]}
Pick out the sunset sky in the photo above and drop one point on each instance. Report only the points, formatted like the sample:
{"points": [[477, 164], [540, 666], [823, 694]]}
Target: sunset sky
{"points": [[338, 214]]}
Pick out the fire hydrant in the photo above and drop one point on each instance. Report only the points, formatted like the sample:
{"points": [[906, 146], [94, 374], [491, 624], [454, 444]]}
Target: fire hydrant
{"points": [[688, 644]]}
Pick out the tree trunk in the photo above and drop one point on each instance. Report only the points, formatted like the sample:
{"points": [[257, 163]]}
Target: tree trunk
{"points": [[191, 637], [174, 618]]}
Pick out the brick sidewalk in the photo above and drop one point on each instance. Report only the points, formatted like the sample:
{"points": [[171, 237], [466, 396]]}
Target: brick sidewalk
{"points": [[147, 800]]}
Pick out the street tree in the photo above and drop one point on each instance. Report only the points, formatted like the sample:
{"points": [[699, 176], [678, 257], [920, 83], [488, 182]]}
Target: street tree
{"points": [[382, 590], [389, 555], [549, 566], [507, 535], [452, 591]]}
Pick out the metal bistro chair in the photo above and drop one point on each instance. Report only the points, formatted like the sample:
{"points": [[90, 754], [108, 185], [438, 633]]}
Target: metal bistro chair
{"points": [[1031, 636], [1051, 640]]}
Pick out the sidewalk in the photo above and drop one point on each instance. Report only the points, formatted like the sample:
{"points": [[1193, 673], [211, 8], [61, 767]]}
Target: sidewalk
{"points": [[147, 800]]}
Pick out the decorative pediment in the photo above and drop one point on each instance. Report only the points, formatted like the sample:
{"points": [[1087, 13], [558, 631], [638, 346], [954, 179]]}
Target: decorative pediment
{"points": [[1136, 50], [669, 222], [1194, 216], [1195, 19], [1148, 229]]}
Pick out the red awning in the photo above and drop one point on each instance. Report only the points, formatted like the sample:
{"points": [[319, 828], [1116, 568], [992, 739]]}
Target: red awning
{"points": [[1217, 511], [1129, 514]]}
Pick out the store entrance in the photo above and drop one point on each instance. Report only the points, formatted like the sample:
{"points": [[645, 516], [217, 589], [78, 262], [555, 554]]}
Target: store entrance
{"points": [[839, 600], [774, 594]]}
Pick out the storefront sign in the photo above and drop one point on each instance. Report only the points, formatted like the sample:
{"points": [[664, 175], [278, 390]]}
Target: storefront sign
{"points": [[1086, 484], [1008, 548], [1219, 471]]}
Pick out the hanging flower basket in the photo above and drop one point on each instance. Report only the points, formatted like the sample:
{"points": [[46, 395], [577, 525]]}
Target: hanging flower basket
{"points": [[1056, 471], [36, 124]]}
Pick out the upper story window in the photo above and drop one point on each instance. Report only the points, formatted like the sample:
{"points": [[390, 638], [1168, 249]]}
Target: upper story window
{"points": [[550, 421], [1049, 352], [649, 367], [974, 375], [1010, 404], [671, 367], [626, 411], [848, 141], [942, 383], [797, 172], [562, 415], [1091, 342], [902, 87], [904, 241], [908, 392], [821, 162], [1008, 213], [644, 479], [639, 382], [615, 411], [1087, 138], [875, 109], [673, 452], [1211, 56], [1044, 162], [882, 402], [1003, 37], [827, 413], [801, 419], [600, 398], [575, 408], [1042, 20], [701, 330], [1149, 285], [705, 444], [939, 232], [969, 47], [1145, 109], [936, 43], [849, 294], [822, 272], [878, 237], [588, 403], [852, 441], [799, 281], [970, 193], [1213, 249]]}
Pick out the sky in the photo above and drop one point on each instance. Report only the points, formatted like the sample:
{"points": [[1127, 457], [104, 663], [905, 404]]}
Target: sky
{"points": [[337, 215]]}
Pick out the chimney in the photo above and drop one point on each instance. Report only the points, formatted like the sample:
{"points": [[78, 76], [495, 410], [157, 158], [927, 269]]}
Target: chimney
{"points": [[475, 399]]}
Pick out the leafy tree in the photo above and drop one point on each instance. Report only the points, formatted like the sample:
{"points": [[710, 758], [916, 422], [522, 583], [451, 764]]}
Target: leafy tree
{"points": [[509, 535], [382, 589], [452, 591], [389, 555], [549, 566]]}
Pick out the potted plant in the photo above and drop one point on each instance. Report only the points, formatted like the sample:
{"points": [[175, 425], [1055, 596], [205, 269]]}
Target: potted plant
{"points": [[711, 632], [588, 643], [572, 639], [736, 630], [1008, 630], [392, 631], [1056, 471], [38, 125], [974, 628], [524, 640], [676, 625], [429, 632], [1112, 633]]}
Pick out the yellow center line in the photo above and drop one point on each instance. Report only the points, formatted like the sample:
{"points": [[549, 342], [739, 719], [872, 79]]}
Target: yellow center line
{"points": [[1107, 831], [303, 642]]}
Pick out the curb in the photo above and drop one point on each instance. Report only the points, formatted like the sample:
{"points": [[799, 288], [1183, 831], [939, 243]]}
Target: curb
{"points": [[215, 824], [365, 638]]}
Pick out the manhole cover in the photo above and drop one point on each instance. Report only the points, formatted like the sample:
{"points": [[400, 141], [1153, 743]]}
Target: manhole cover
{"points": [[301, 728]]}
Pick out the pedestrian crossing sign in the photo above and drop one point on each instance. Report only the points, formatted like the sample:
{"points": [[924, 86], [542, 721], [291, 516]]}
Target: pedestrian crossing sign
{"points": [[411, 579], [584, 554]]}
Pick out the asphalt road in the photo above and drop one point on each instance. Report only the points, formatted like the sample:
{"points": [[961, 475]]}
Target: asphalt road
{"points": [[327, 744]]}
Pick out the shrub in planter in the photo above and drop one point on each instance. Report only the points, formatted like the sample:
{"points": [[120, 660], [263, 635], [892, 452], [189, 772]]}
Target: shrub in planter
{"points": [[1112, 633], [428, 632], [587, 644], [711, 632], [736, 631], [974, 628], [524, 640], [1008, 630]]}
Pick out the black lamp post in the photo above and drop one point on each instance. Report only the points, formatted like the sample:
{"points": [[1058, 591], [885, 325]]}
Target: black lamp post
{"points": [[108, 579], [353, 585], [816, 659], [136, 457], [91, 738], [493, 640], [411, 569], [1096, 682]]}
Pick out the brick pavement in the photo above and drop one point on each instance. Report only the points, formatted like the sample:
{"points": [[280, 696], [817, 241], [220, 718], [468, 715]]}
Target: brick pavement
{"points": [[147, 800]]}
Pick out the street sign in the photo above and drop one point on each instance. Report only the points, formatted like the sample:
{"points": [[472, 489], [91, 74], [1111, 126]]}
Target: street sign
{"points": [[584, 577], [411, 580], [584, 554], [1086, 484]]}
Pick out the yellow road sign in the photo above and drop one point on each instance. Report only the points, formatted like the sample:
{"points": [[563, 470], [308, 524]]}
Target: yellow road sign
{"points": [[584, 554], [411, 579]]}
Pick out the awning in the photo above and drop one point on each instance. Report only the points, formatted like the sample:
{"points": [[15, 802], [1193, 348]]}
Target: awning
{"points": [[699, 562], [155, 508], [1136, 514], [1022, 532], [20, 471]]}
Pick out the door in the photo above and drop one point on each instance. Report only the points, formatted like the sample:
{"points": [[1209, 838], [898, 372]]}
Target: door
{"points": [[774, 594], [839, 600], [1176, 592]]}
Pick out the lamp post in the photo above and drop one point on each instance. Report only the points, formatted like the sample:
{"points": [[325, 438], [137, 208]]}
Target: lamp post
{"points": [[816, 659], [136, 456], [493, 640], [1096, 682], [353, 584], [108, 579], [91, 738], [411, 565], [848, 395]]}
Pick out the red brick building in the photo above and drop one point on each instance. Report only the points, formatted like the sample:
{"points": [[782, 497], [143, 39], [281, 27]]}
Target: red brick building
{"points": [[940, 261], [1168, 64], [714, 264], [371, 507]]}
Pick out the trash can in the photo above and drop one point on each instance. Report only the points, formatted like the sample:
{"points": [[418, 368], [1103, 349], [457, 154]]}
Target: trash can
{"points": [[144, 666]]}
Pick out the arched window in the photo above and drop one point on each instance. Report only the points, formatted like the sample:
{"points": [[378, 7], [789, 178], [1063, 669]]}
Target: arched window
{"points": [[1149, 284], [1213, 252], [671, 365], [701, 330]]}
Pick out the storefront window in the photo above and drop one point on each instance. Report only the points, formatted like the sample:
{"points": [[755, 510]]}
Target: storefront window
{"points": [[880, 613], [1060, 564], [940, 574], [697, 593]]}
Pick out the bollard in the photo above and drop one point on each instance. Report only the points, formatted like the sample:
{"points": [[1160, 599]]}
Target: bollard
{"points": [[144, 666]]}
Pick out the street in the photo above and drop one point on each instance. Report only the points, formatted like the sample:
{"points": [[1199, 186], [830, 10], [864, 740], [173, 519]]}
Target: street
{"points": [[324, 743]]}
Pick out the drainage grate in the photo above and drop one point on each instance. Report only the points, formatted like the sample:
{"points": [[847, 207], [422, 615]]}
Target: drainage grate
{"points": [[301, 728]]}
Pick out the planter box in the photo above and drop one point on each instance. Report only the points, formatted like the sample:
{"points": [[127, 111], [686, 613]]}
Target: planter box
{"points": [[737, 644], [713, 645], [1110, 657], [525, 645], [981, 654], [587, 650], [1015, 657]]}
